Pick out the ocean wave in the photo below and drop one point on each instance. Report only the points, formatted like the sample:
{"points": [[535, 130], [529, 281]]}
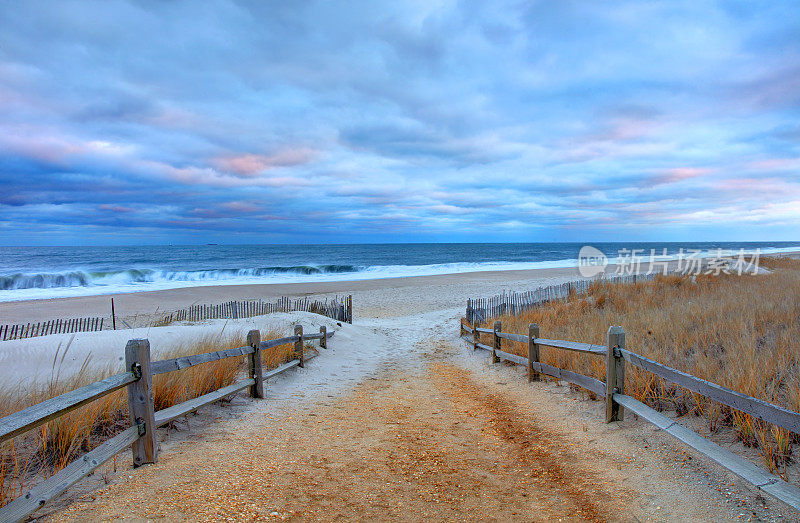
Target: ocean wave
{"points": [[44, 281], [75, 278], [81, 282]]}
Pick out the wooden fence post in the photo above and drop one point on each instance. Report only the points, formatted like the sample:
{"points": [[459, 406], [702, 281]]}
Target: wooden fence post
{"points": [[298, 345], [533, 351], [350, 309], [140, 402], [615, 373], [323, 341], [254, 364], [496, 346], [476, 337]]}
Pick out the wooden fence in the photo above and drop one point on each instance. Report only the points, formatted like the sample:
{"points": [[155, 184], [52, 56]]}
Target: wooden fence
{"points": [[29, 330], [617, 356], [481, 309], [340, 309], [141, 436]]}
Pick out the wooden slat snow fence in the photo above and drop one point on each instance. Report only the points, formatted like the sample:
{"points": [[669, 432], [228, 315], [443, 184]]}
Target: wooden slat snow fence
{"points": [[43, 328], [481, 309], [617, 357], [144, 419], [339, 309]]}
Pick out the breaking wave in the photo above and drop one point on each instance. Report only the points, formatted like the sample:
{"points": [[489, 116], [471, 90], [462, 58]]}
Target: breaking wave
{"points": [[131, 276]]}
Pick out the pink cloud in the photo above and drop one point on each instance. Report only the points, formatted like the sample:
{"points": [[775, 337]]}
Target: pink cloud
{"points": [[776, 164], [192, 175], [678, 174], [239, 206], [270, 217], [623, 129], [253, 164], [766, 186], [49, 145], [203, 212], [115, 208], [624, 124], [39, 144], [593, 150]]}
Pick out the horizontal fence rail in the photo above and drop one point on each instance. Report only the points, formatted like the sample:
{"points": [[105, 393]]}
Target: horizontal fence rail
{"points": [[616, 356], [140, 436], [39, 495], [755, 407], [162, 417], [280, 341], [43, 412], [339, 309], [184, 362], [479, 310], [559, 344], [43, 328]]}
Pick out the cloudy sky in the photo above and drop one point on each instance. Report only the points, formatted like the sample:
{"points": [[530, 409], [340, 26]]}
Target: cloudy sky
{"points": [[242, 122]]}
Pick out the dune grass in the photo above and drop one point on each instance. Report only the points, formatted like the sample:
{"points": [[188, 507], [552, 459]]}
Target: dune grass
{"points": [[742, 332], [44, 451]]}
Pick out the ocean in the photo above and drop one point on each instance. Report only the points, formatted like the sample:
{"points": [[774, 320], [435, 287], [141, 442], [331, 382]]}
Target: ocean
{"points": [[50, 272]]}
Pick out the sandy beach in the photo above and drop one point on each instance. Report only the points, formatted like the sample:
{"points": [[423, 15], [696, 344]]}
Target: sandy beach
{"points": [[371, 298], [403, 345], [400, 420], [384, 297], [31, 360]]}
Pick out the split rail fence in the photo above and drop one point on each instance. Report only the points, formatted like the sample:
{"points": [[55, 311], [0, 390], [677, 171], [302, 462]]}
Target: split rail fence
{"points": [[141, 436], [29, 330], [613, 390], [339, 309], [481, 309]]}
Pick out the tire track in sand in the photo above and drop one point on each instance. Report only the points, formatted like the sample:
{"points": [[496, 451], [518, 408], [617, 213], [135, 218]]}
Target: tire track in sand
{"points": [[415, 446], [571, 487]]}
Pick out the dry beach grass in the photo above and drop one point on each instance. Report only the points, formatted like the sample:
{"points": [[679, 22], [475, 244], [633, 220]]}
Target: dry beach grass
{"points": [[49, 448], [742, 332]]}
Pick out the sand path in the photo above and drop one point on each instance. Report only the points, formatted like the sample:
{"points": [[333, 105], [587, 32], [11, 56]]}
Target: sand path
{"points": [[399, 421]]}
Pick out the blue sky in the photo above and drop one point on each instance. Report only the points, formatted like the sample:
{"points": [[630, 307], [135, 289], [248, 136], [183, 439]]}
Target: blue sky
{"points": [[262, 122]]}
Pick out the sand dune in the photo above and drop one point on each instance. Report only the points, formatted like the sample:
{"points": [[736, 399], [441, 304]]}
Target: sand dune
{"points": [[28, 361]]}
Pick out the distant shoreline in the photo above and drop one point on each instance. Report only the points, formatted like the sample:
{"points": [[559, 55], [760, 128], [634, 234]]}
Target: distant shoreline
{"points": [[145, 302], [52, 273], [371, 297]]}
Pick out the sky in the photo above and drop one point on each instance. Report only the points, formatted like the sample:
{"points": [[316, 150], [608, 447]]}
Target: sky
{"points": [[127, 122]]}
